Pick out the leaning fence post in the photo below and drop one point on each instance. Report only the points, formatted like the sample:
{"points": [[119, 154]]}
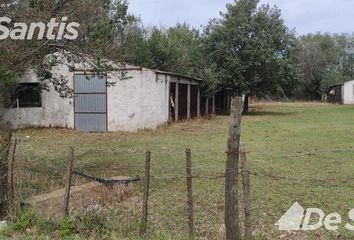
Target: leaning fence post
{"points": [[246, 195], [68, 181], [10, 178], [190, 193], [146, 193]]}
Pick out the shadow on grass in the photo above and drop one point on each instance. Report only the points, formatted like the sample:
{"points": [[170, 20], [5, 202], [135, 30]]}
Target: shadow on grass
{"points": [[264, 113]]}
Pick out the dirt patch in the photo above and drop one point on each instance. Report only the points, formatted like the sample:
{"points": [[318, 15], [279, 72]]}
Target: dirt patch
{"points": [[86, 198]]}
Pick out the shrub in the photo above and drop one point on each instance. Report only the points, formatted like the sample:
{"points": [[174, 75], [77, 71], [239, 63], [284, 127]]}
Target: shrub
{"points": [[94, 224], [67, 228], [45, 226], [26, 219]]}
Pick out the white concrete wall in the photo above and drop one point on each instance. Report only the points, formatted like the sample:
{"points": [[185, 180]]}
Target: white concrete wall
{"points": [[139, 102], [55, 111], [348, 92]]}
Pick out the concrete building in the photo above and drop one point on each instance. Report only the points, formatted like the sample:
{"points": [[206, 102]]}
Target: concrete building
{"points": [[143, 99], [341, 93]]}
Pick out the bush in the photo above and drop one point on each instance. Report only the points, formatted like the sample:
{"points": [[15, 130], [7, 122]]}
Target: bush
{"points": [[26, 219], [45, 226], [67, 228], [93, 224]]}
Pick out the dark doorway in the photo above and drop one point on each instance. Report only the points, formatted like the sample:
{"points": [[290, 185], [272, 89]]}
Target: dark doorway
{"points": [[172, 101], [203, 106], [210, 107], [194, 101], [182, 101], [335, 94]]}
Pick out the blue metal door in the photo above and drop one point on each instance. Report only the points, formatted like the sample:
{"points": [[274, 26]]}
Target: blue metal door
{"points": [[90, 103]]}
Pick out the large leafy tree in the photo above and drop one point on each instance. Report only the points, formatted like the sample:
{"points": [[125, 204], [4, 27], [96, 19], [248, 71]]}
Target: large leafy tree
{"points": [[135, 47], [318, 57], [175, 49], [251, 48], [346, 58], [101, 33]]}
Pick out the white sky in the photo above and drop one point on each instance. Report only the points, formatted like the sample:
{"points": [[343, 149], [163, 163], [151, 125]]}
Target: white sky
{"points": [[334, 16]]}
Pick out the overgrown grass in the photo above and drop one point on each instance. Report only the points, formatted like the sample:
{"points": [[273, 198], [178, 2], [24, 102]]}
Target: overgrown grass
{"points": [[300, 141]]}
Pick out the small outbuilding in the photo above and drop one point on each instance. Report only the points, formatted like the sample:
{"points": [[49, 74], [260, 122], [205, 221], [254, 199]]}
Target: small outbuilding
{"points": [[341, 93], [143, 99]]}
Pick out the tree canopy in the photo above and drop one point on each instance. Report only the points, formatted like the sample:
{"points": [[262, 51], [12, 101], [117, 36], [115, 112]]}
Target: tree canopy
{"points": [[248, 50], [324, 60], [251, 48]]}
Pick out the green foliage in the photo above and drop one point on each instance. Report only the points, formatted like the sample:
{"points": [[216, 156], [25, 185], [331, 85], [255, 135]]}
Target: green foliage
{"points": [[324, 60], [93, 224], [178, 49], [251, 48], [101, 31], [45, 226], [135, 47], [8, 81], [317, 55], [67, 229], [26, 219], [85, 225]]}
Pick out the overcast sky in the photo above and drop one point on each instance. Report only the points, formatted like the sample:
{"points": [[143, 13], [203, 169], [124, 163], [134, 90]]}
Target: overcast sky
{"points": [[335, 16]]}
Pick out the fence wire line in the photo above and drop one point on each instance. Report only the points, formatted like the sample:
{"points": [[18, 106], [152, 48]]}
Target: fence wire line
{"points": [[272, 176], [216, 175]]}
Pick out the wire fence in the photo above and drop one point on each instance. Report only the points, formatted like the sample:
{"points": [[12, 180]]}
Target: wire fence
{"points": [[38, 174]]}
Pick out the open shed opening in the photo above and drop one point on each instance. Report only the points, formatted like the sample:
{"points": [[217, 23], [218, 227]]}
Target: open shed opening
{"points": [[194, 101], [182, 101]]}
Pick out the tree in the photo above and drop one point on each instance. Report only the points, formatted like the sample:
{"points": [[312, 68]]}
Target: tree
{"points": [[176, 49], [345, 63], [135, 47], [318, 59], [102, 25], [251, 48]]}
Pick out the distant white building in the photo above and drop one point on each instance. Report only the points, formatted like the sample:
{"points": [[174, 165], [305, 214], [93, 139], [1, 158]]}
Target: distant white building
{"points": [[342, 93], [144, 99]]}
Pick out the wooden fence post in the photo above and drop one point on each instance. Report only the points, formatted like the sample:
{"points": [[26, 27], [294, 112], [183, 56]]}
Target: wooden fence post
{"points": [[146, 193], [69, 172], [232, 226], [10, 178], [246, 195], [4, 179], [3, 186], [190, 193]]}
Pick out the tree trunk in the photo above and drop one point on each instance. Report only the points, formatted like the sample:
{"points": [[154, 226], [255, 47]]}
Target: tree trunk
{"points": [[232, 226], [246, 105]]}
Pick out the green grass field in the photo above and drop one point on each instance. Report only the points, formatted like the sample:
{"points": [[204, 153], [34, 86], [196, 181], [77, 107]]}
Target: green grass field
{"points": [[304, 146]]}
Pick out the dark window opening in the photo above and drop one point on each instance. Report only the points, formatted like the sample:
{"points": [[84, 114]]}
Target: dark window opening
{"points": [[28, 95]]}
